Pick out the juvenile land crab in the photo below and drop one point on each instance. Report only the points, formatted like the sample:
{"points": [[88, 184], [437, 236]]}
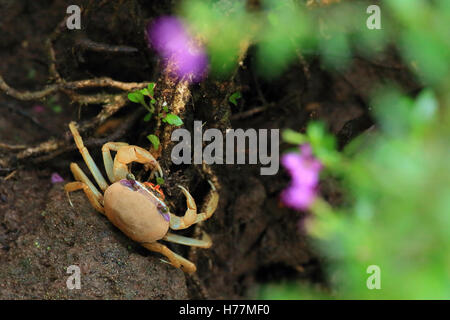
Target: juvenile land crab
{"points": [[138, 208]]}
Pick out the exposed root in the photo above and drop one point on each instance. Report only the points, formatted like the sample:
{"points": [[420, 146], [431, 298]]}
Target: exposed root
{"points": [[73, 85], [54, 147], [87, 44], [12, 147]]}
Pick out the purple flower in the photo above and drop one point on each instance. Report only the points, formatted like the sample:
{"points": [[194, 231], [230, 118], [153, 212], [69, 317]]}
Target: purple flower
{"points": [[38, 108], [304, 170], [56, 178], [182, 54]]}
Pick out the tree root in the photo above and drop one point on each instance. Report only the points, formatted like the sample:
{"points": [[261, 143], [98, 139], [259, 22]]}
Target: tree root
{"points": [[112, 102], [52, 148]]}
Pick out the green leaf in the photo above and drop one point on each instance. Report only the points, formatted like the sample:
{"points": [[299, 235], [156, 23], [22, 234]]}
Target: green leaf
{"points": [[166, 109], [425, 107], [136, 97], [159, 181], [147, 117], [144, 91], [233, 98], [154, 140], [173, 119], [294, 137], [319, 137], [57, 108], [151, 89], [31, 74]]}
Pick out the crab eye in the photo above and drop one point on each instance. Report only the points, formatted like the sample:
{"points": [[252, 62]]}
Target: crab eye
{"points": [[164, 212]]}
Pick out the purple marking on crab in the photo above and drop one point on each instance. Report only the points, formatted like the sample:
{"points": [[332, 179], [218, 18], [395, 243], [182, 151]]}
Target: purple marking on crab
{"points": [[166, 216], [127, 183]]}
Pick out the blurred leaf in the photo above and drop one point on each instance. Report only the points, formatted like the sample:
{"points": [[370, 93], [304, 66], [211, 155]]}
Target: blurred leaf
{"points": [[136, 97], [144, 91], [173, 119], [57, 108], [151, 89], [154, 140], [233, 98], [293, 137], [147, 117]]}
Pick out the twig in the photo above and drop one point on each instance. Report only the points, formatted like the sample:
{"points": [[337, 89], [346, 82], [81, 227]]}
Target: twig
{"points": [[9, 176], [104, 82], [12, 147], [251, 112], [27, 95], [72, 85], [53, 70], [50, 149], [87, 44]]}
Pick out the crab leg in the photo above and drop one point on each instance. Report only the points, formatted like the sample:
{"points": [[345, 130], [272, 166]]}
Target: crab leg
{"points": [[87, 157], [205, 242], [191, 217], [176, 222], [176, 260], [83, 182], [93, 199], [210, 205], [128, 154], [80, 176], [107, 159]]}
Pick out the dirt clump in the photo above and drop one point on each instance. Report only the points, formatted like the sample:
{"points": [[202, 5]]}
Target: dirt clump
{"points": [[111, 265]]}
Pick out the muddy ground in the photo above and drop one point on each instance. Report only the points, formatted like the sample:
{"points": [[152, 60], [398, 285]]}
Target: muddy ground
{"points": [[256, 240]]}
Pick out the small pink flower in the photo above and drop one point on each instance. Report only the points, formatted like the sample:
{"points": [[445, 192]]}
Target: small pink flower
{"points": [[56, 178], [38, 108], [170, 38], [304, 170]]}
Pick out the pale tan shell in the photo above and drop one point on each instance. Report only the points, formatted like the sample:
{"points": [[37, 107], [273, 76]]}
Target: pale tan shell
{"points": [[134, 214]]}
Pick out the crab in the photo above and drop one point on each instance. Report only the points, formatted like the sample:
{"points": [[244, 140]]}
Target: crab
{"points": [[138, 209]]}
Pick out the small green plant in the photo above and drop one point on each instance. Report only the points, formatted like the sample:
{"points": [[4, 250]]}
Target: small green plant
{"points": [[154, 140], [173, 119], [31, 74], [160, 181], [53, 104], [139, 96], [234, 97]]}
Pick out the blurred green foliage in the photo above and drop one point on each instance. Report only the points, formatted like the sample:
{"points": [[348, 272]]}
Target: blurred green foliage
{"points": [[397, 210], [284, 30], [395, 179]]}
